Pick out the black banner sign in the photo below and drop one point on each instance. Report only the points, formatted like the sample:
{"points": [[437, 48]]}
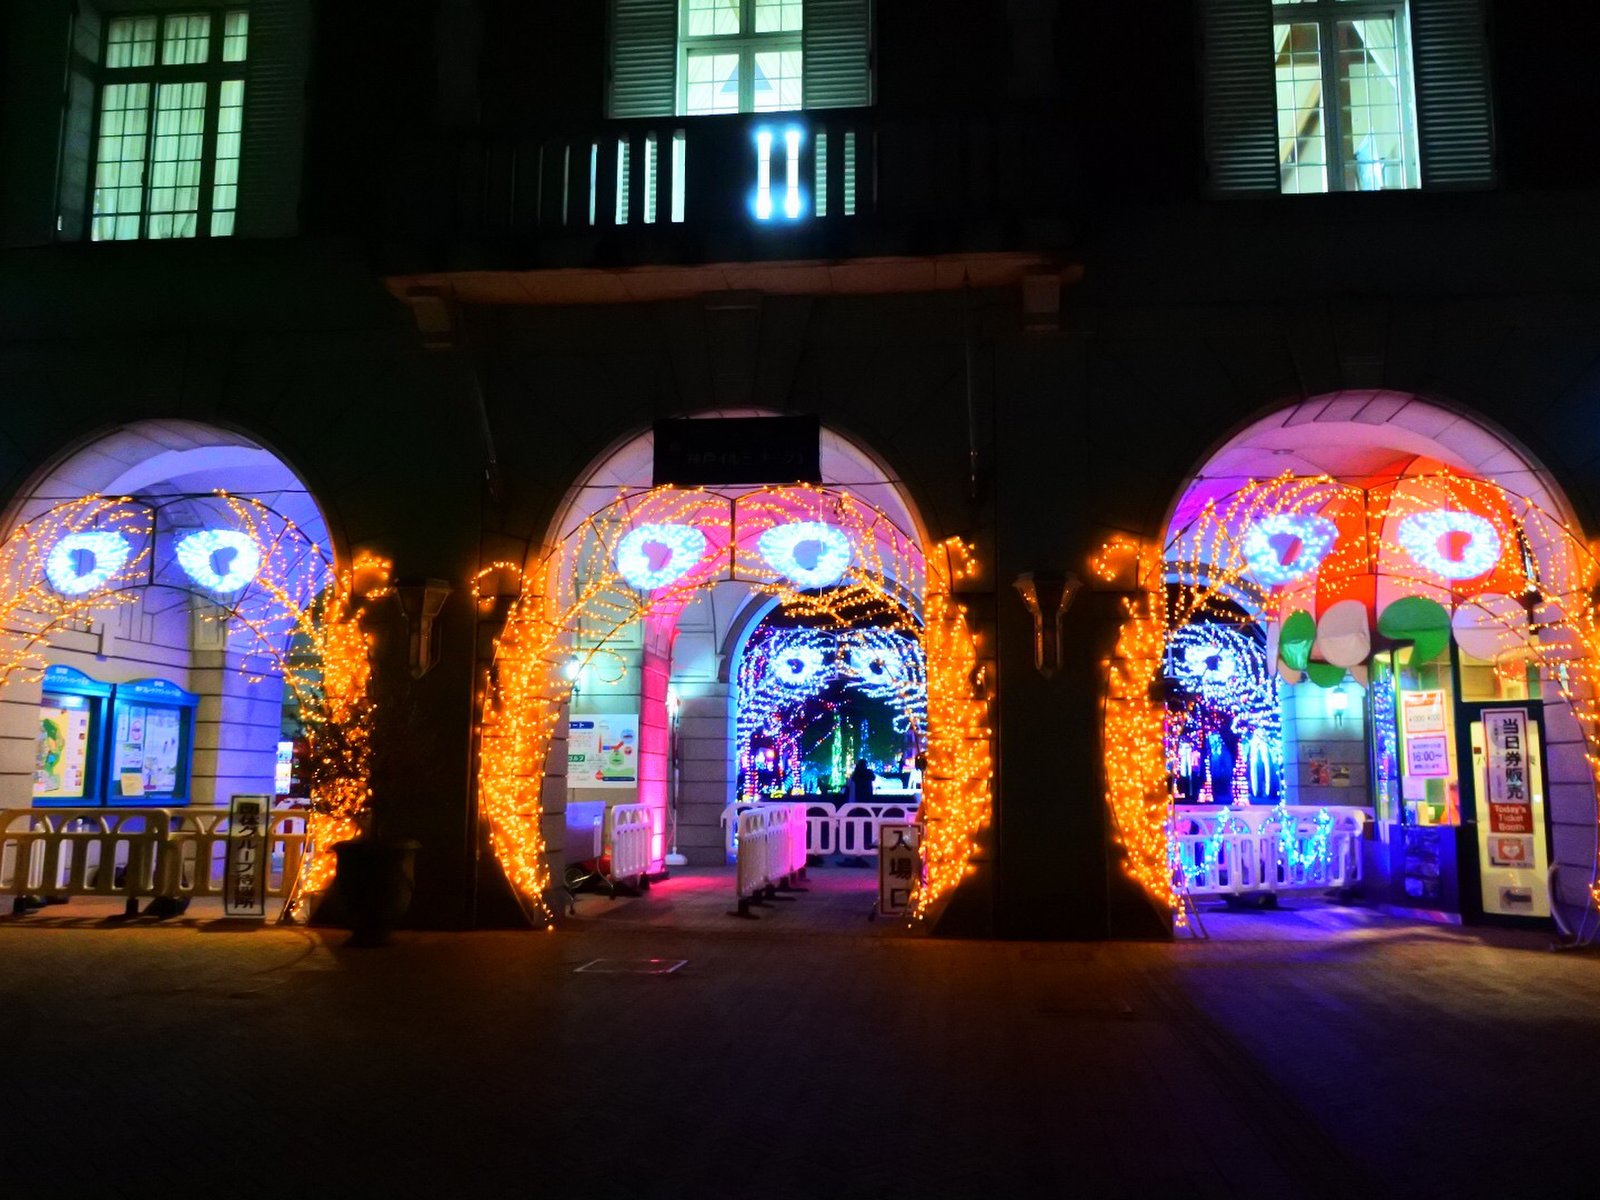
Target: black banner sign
{"points": [[738, 450]]}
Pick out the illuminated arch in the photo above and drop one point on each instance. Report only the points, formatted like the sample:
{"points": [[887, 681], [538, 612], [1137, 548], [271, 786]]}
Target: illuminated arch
{"points": [[123, 514], [1380, 461], [576, 581]]}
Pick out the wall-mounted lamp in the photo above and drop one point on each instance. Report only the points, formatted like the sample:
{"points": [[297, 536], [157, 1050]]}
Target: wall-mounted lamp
{"points": [[1047, 597], [422, 604], [786, 144], [1338, 702]]}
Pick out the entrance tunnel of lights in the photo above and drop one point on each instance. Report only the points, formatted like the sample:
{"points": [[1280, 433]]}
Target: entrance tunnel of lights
{"points": [[677, 653], [177, 640], [1360, 663]]}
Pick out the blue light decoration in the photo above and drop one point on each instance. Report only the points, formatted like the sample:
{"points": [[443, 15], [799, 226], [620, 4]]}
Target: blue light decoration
{"points": [[761, 203], [83, 561], [682, 546], [1262, 541], [1315, 856], [1474, 542], [783, 669], [205, 558], [781, 545], [1225, 733]]}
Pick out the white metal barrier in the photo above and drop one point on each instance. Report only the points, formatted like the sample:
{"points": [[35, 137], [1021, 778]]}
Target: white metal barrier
{"points": [[772, 852], [1221, 851], [172, 853], [630, 831], [846, 829]]}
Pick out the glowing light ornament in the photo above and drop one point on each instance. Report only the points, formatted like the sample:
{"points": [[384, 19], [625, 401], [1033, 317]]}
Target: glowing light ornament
{"points": [[781, 544], [198, 556], [1456, 545], [1262, 540], [108, 552], [644, 572], [796, 666]]}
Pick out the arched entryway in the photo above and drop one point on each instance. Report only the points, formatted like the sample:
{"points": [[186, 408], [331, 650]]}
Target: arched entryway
{"points": [[177, 640], [630, 633], [1361, 662]]}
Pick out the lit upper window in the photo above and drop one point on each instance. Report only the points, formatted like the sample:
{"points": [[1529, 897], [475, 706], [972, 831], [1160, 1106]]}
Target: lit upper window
{"points": [[1346, 116], [704, 57], [167, 139], [739, 56], [1346, 95]]}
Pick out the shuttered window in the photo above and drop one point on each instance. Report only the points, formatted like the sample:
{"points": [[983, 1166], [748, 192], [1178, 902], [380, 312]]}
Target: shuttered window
{"points": [[185, 122], [1345, 95], [702, 57]]}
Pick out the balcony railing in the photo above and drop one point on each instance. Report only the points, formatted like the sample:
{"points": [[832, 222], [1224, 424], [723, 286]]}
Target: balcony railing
{"points": [[830, 183]]}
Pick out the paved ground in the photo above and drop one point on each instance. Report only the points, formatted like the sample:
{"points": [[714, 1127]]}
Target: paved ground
{"points": [[1383, 1059]]}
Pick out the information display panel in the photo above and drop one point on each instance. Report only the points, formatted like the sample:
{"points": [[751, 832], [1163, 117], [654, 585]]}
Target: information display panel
{"points": [[67, 747], [151, 734]]}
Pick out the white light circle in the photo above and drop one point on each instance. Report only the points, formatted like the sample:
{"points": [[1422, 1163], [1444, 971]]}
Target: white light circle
{"points": [[197, 556], [1421, 535], [1316, 536], [684, 545], [109, 551], [780, 546], [797, 666]]}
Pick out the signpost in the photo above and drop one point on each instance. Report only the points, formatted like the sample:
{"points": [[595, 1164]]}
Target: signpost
{"points": [[1510, 815], [244, 890], [899, 867]]}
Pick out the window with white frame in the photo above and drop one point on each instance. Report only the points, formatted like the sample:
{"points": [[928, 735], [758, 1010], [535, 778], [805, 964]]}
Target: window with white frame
{"points": [[1346, 95], [705, 57], [739, 56], [169, 125], [1346, 113]]}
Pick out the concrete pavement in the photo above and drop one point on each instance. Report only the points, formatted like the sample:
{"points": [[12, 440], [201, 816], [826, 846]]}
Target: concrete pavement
{"points": [[1394, 1060]]}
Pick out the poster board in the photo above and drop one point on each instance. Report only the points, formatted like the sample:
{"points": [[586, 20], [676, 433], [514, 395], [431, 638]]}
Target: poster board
{"points": [[61, 751], [603, 750]]}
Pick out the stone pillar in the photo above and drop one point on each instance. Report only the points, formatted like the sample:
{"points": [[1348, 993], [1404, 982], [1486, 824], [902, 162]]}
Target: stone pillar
{"points": [[706, 771]]}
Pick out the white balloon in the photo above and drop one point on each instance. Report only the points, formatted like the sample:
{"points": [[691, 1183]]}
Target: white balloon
{"points": [[1344, 634]]}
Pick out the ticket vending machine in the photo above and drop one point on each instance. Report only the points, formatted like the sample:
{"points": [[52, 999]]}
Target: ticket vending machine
{"points": [[151, 746], [68, 764]]}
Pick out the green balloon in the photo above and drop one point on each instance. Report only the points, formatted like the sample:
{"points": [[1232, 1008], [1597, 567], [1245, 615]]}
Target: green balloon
{"points": [[1295, 638], [1422, 622], [1326, 674]]}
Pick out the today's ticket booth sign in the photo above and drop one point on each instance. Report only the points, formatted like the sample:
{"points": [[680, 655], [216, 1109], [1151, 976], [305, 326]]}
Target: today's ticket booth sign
{"points": [[1510, 816]]}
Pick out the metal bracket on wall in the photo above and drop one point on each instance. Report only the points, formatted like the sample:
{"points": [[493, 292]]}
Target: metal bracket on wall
{"points": [[1047, 597], [422, 604]]}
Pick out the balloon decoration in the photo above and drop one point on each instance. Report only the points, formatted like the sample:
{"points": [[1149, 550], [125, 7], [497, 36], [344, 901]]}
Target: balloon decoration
{"points": [[1419, 554]]}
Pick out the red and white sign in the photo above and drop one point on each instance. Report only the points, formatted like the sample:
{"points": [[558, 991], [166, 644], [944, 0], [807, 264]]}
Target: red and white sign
{"points": [[1511, 852], [1422, 712], [1428, 757]]}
